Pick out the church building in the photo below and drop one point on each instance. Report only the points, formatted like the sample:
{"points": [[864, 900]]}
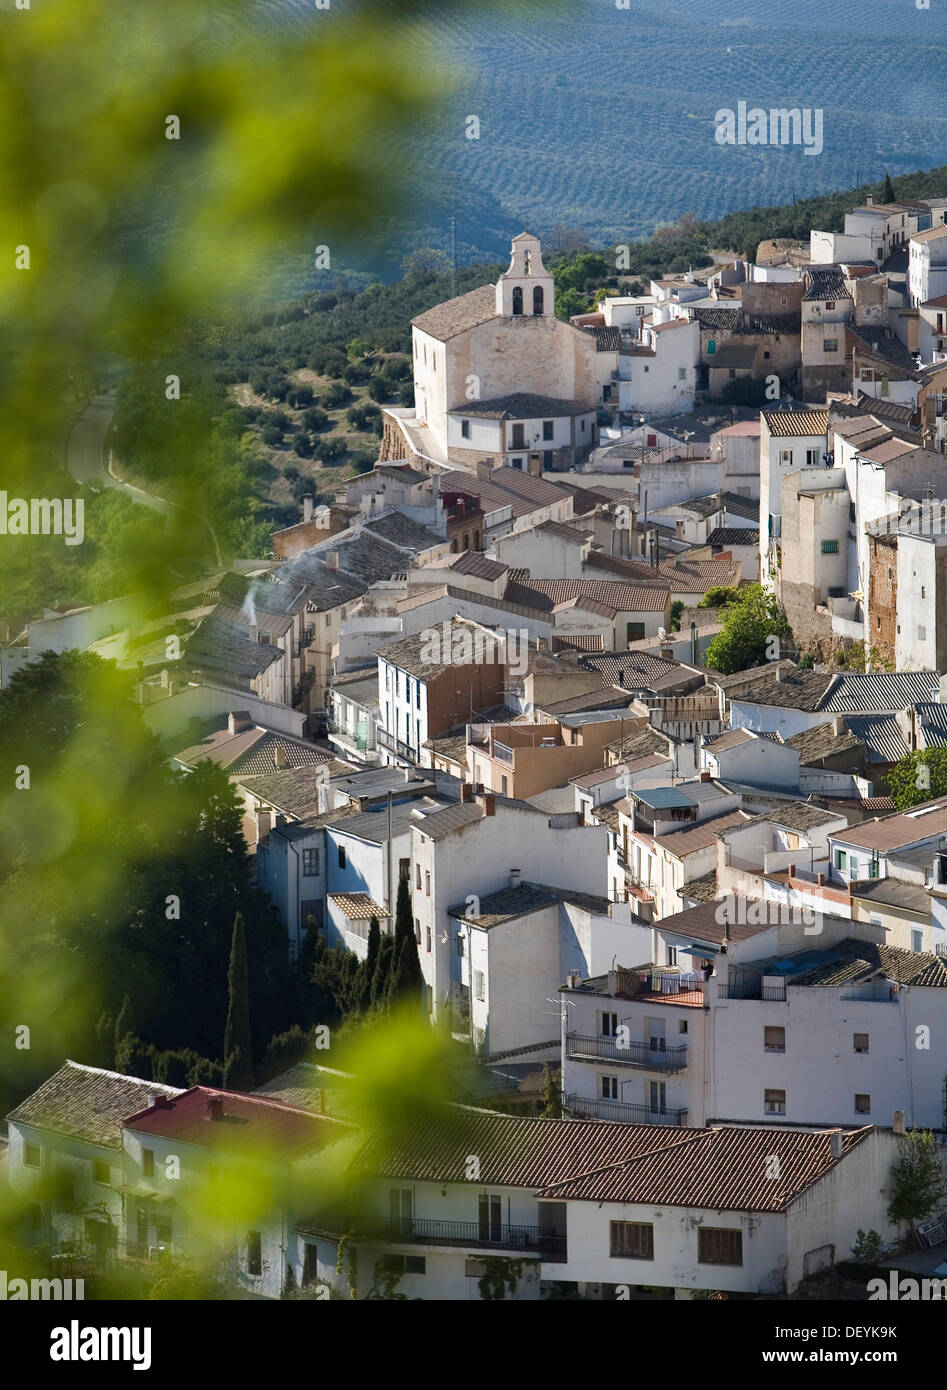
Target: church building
{"points": [[498, 379]]}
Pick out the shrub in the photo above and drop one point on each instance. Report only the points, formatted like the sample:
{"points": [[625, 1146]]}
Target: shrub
{"points": [[336, 394]]}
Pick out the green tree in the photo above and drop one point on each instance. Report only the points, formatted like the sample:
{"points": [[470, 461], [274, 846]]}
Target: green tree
{"points": [[369, 965], [919, 776], [382, 974], [406, 981], [720, 596], [917, 1180], [124, 1024], [750, 626], [552, 1093], [238, 1050], [888, 193]]}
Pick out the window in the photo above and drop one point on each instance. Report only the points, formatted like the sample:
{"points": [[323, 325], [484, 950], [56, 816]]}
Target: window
{"points": [[672, 955], [608, 1025], [427, 883], [774, 1102], [401, 1208], [830, 547], [148, 1163], [766, 354], [32, 1156], [917, 939], [404, 868], [719, 1245], [428, 939], [731, 373], [460, 945], [417, 880], [862, 1105], [785, 458], [310, 863], [491, 1217], [101, 1172], [417, 930], [682, 1025], [830, 345], [519, 441], [682, 373], [516, 463], [836, 592], [841, 860], [517, 300], [548, 429], [860, 1042], [341, 856], [635, 632], [774, 1039], [830, 303], [923, 592], [711, 347], [631, 1240], [609, 1088], [479, 987], [254, 1253], [537, 299], [465, 429], [657, 1096], [812, 458], [404, 1264]]}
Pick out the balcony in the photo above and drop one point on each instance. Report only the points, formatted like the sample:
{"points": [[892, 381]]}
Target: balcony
{"points": [[395, 745], [584, 1046], [593, 1108], [476, 1235]]}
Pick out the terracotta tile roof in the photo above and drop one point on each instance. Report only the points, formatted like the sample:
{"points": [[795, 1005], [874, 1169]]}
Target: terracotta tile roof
{"points": [[628, 598], [795, 424], [87, 1103], [522, 405], [358, 907], [683, 842], [245, 1124], [697, 576], [457, 315], [719, 1169], [856, 962], [890, 832]]}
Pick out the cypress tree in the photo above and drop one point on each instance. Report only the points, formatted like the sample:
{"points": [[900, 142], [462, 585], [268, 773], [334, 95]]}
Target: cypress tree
{"points": [[888, 195], [370, 964], [382, 970], [406, 980], [124, 1024], [238, 1051]]}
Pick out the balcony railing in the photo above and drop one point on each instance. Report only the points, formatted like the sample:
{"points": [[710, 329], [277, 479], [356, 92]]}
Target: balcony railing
{"points": [[395, 745], [633, 1054], [593, 1108], [476, 1235]]}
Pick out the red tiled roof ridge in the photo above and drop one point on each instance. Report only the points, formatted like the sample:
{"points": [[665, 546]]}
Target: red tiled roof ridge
{"points": [[220, 1092]]}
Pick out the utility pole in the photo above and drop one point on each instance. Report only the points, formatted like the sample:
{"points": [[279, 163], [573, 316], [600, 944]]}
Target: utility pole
{"points": [[453, 257]]}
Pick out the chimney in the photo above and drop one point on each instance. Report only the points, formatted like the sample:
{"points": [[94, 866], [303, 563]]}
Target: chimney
{"points": [[515, 875], [487, 803], [254, 633], [331, 559], [838, 726], [791, 871], [897, 1122], [307, 506], [820, 880], [705, 776], [153, 1099], [213, 1108], [466, 791], [835, 1143], [263, 822], [279, 756], [870, 201], [231, 723]]}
